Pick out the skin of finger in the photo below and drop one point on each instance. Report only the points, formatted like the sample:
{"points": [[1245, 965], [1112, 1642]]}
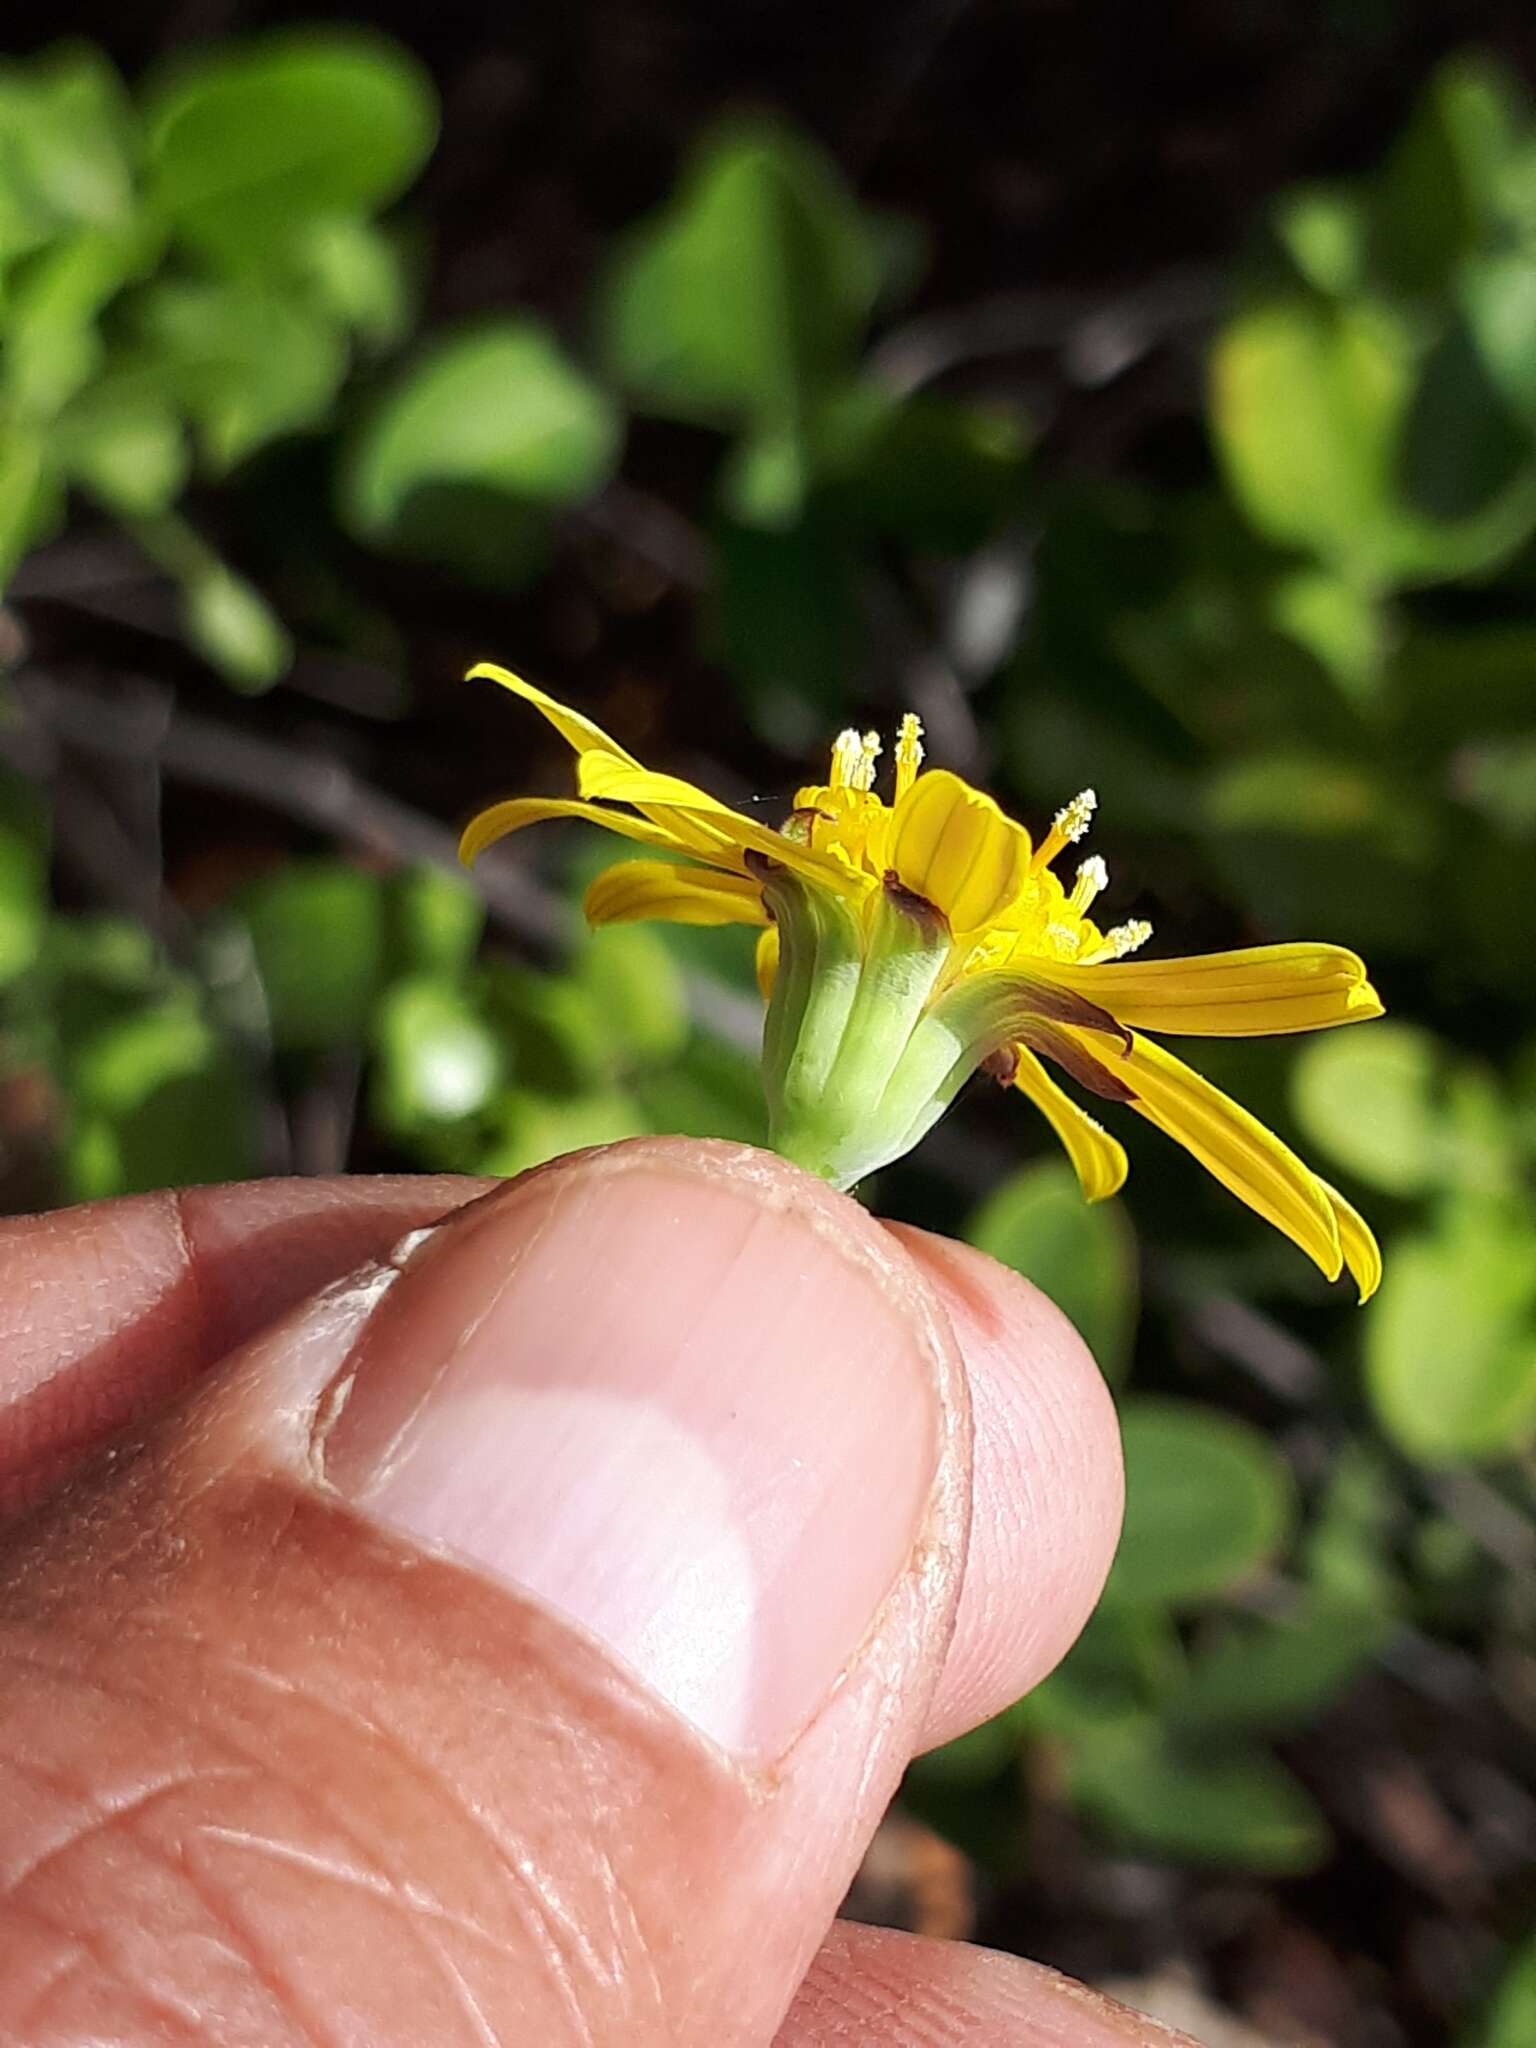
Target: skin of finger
{"points": [[889, 1990], [111, 1308], [117, 1305], [335, 1774], [1049, 1483]]}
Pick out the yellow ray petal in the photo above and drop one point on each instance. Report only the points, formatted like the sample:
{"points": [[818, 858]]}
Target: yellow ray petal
{"points": [[578, 733], [1236, 1148], [953, 846], [768, 960], [1098, 1158], [633, 890], [1362, 1254], [703, 825], [1251, 993], [493, 824]]}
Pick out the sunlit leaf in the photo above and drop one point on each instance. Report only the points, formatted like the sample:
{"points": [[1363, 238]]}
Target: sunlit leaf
{"points": [[744, 300], [1311, 413], [66, 143], [467, 452], [1366, 1100], [231, 624], [1450, 1344], [437, 1060], [252, 143], [246, 363]]}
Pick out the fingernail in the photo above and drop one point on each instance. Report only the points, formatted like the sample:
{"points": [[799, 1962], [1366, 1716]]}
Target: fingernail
{"points": [[678, 1406]]}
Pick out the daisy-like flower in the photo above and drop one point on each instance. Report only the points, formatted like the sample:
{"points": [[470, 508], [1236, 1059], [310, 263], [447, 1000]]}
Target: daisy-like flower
{"points": [[907, 945]]}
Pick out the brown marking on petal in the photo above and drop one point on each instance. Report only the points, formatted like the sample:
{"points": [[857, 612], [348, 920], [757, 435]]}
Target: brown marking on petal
{"points": [[800, 825], [1001, 1066], [910, 904], [1060, 1005], [760, 865], [1089, 1073]]}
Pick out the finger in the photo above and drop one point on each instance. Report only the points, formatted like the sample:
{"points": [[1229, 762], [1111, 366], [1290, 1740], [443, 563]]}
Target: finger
{"points": [[110, 1308], [1048, 1484], [518, 1643], [889, 1990], [117, 1305]]}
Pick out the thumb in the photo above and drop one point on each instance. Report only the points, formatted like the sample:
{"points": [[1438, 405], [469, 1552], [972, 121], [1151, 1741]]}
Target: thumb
{"points": [[519, 1643]]}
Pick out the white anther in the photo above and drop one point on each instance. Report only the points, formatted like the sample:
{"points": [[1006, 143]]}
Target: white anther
{"points": [[1125, 938], [1092, 881], [1071, 822]]}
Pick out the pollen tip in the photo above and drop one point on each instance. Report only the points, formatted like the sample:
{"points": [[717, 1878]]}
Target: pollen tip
{"points": [[1123, 939], [909, 752], [1073, 819]]}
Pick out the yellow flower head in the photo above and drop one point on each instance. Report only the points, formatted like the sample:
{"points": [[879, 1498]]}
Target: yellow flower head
{"points": [[907, 944]]}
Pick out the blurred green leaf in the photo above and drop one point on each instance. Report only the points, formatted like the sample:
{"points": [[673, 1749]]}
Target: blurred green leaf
{"points": [[559, 1040], [1367, 1100], [532, 1128], [1462, 449], [631, 980], [1450, 1341], [1323, 230], [318, 929], [786, 625], [52, 342], [437, 1060], [66, 142], [1128, 1660], [1274, 1677], [929, 470], [1208, 1503], [1499, 779], [356, 274], [126, 446], [978, 1757], [1082, 1255], [744, 300], [436, 920], [233, 626], [1498, 299], [250, 145], [23, 899], [1233, 1806], [244, 362], [1310, 408], [1437, 196], [1510, 2019], [1338, 623], [1348, 1547], [160, 1103], [31, 497], [713, 1091], [463, 456], [1297, 792]]}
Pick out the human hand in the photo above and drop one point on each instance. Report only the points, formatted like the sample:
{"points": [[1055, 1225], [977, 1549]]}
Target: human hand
{"points": [[518, 1641]]}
